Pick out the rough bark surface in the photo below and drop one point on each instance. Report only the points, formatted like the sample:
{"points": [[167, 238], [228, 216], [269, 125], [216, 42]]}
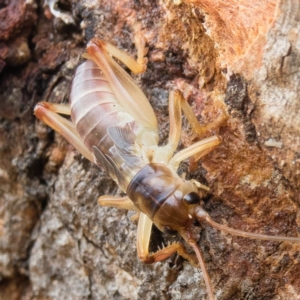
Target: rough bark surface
{"points": [[57, 243]]}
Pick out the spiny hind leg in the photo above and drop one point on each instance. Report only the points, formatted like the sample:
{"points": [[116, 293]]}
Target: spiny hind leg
{"points": [[143, 241], [48, 113], [144, 233]]}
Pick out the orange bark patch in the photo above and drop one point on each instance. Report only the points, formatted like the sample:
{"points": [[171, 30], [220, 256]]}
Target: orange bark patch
{"points": [[236, 26]]}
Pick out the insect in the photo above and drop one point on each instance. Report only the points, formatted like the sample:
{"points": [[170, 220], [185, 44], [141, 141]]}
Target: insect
{"points": [[114, 126]]}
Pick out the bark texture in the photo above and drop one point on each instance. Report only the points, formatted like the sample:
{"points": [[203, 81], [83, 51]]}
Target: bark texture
{"points": [[57, 243]]}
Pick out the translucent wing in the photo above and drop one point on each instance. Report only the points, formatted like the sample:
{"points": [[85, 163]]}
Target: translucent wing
{"points": [[129, 151], [108, 164], [124, 157]]}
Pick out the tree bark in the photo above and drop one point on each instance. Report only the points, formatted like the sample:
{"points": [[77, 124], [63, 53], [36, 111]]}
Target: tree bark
{"points": [[235, 58]]}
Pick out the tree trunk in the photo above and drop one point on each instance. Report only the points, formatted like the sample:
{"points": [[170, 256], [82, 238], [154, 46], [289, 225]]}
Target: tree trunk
{"points": [[231, 58]]}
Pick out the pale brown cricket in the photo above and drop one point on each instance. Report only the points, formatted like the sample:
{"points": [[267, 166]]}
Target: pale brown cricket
{"points": [[114, 126]]}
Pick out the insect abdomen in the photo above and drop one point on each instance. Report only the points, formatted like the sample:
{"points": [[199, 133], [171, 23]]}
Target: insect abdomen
{"points": [[94, 106]]}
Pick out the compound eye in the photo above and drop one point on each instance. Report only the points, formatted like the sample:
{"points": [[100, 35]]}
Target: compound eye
{"points": [[191, 198]]}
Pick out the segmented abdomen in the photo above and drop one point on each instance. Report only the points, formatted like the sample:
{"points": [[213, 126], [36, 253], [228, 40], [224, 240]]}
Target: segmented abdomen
{"points": [[94, 106], [107, 130]]}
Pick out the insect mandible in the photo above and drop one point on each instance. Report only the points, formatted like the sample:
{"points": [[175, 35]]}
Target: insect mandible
{"points": [[114, 126]]}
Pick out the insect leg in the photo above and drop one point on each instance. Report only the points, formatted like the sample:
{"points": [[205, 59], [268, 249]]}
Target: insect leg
{"points": [[135, 218], [63, 109], [143, 241], [196, 127], [202, 147], [129, 95], [188, 112], [164, 153], [118, 202], [136, 66], [175, 119], [47, 113], [176, 103]]}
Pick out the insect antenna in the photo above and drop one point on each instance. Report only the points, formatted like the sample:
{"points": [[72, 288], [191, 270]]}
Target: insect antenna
{"points": [[201, 215], [206, 278]]}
